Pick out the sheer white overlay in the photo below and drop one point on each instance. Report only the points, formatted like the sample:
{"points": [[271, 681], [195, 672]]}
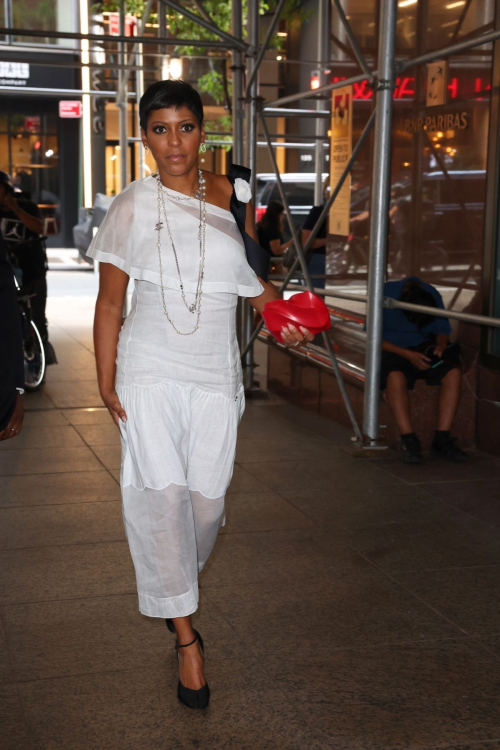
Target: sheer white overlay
{"points": [[127, 238]]}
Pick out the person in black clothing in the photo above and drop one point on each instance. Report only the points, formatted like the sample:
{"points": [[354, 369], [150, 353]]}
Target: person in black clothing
{"points": [[317, 260], [21, 225], [11, 353], [270, 230]]}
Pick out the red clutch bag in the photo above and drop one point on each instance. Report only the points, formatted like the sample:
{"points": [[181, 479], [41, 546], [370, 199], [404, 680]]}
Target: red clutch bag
{"points": [[304, 309]]}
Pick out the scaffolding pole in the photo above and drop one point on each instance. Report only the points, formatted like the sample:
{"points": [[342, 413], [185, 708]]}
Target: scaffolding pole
{"points": [[237, 70], [102, 38], [302, 259], [122, 105], [324, 26], [251, 161], [265, 45], [139, 88], [379, 217], [122, 88]]}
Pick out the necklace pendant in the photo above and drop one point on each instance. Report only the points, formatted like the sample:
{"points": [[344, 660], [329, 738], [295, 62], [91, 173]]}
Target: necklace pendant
{"points": [[192, 308], [158, 226]]}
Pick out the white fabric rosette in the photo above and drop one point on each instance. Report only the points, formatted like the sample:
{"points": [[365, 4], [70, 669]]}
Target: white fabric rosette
{"points": [[243, 190]]}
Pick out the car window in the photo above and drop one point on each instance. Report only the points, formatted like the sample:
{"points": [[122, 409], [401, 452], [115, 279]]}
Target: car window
{"points": [[297, 194]]}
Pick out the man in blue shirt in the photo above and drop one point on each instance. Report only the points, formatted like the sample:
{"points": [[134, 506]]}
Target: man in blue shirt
{"points": [[416, 346]]}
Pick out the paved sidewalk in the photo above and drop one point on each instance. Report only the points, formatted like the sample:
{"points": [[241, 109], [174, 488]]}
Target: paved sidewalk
{"points": [[348, 603]]}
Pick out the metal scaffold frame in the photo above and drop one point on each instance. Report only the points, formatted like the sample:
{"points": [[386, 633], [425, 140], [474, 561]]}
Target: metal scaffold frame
{"points": [[248, 108]]}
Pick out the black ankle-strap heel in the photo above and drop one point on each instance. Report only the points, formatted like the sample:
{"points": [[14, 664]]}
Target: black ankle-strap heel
{"points": [[193, 698], [170, 624]]}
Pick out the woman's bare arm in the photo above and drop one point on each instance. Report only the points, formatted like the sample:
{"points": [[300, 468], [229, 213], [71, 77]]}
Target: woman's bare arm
{"points": [[278, 247], [108, 321]]}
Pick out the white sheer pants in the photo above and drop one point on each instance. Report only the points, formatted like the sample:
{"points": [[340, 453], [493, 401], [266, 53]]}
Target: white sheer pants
{"points": [[178, 448], [171, 533]]}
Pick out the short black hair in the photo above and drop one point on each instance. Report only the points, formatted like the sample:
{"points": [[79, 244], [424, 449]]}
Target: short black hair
{"points": [[415, 294], [166, 94]]}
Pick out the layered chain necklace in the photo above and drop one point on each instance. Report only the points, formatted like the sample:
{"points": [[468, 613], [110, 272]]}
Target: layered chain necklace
{"points": [[195, 307]]}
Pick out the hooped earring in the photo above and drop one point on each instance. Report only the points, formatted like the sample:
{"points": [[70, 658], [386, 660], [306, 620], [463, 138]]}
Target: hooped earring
{"points": [[203, 148]]}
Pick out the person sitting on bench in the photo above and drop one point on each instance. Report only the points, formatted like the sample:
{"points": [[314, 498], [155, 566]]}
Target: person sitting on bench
{"points": [[416, 346]]}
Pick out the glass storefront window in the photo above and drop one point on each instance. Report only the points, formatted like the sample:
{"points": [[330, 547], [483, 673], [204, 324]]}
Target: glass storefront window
{"points": [[39, 15], [447, 21], [29, 149], [32, 14], [406, 29], [494, 347], [2, 20]]}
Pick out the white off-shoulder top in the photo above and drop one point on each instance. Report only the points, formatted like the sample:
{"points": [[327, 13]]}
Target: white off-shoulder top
{"points": [[127, 238]]}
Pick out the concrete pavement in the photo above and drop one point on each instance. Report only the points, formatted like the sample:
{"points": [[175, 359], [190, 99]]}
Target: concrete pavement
{"points": [[348, 603]]}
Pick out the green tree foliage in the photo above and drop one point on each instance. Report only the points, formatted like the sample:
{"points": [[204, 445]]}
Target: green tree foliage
{"points": [[215, 82]]}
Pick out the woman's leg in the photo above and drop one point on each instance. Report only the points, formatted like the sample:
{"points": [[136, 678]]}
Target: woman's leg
{"points": [[191, 672], [399, 400]]}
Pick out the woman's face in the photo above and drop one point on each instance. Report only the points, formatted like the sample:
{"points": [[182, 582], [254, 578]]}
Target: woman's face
{"points": [[174, 137]]}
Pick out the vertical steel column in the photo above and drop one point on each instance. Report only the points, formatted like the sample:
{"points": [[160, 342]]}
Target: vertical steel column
{"points": [[251, 160], [122, 105], [251, 111], [139, 90], [237, 69], [324, 31], [379, 217], [238, 119]]}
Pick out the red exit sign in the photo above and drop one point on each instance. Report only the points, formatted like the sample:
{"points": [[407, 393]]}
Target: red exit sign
{"points": [[70, 109], [405, 88], [130, 25]]}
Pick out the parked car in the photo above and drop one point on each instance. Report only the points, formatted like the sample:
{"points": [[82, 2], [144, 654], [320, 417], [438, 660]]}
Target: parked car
{"points": [[299, 191]]}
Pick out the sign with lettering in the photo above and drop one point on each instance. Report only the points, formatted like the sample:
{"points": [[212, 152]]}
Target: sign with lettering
{"points": [[70, 109], [14, 73], [433, 123], [340, 153], [467, 86]]}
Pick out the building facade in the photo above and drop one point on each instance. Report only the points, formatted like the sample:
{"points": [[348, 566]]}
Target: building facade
{"points": [[444, 189]]}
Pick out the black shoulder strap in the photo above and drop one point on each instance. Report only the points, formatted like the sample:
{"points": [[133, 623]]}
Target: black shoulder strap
{"points": [[257, 257]]}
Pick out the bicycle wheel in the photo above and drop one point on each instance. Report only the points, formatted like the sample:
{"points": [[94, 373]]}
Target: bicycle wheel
{"points": [[34, 358]]}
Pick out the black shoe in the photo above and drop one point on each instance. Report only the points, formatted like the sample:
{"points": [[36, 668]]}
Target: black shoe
{"points": [[410, 449], [193, 698], [170, 624], [445, 447]]}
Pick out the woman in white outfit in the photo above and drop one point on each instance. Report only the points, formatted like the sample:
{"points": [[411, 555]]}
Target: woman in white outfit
{"points": [[171, 374]]}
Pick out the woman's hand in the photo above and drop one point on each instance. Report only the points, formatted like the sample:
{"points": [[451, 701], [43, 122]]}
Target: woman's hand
{"points": [[15, 422], [419, 360], [112, 402], [292, 337]]}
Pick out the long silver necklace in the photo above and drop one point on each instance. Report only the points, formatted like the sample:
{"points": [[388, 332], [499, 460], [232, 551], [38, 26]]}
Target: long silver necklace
{"points": [[195, 307]]}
